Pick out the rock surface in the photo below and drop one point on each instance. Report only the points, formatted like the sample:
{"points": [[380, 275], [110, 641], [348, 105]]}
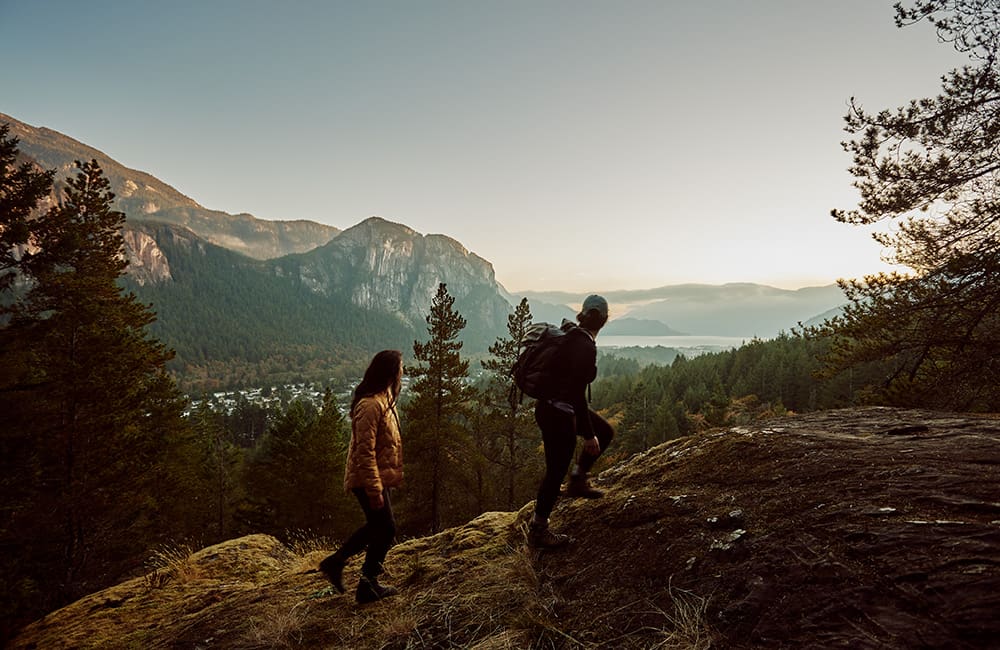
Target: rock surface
{"points": [[867, 528], [859, 528]]}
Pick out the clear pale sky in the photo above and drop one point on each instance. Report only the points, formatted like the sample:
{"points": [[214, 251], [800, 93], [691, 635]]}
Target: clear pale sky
{"points": [[576, 145]]}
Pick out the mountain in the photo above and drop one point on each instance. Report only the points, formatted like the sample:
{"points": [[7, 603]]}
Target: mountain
{"points": [[233, 320], [236, 320], [143, 197], [736, 309], [242, 299], [818, 320], [638, 327], [739, 309], [856, 528], [390, 268], [545, 311]]}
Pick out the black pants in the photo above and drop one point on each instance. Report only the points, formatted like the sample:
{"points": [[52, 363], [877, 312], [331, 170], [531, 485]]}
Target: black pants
{"points": [[559, 437], [376, 535]]}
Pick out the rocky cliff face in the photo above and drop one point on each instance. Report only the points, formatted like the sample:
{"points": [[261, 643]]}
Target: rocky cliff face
{"points": [[141, 197], [146, 262], [391, 268], [377, 266]]}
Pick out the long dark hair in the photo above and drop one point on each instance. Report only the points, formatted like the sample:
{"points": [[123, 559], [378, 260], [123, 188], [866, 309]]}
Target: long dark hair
{"points": [[382, 374]]}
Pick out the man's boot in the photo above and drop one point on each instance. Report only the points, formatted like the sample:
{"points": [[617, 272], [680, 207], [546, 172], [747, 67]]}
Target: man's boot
{"points": [[540, 537], [369, 590], [333, 568], [579, 486]]}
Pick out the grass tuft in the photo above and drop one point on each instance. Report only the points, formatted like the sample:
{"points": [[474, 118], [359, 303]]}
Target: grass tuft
{"points": [[170, 562], [688, 623], [281, 629]]}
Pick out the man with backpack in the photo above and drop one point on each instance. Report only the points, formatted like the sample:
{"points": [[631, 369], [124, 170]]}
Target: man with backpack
{"points": [[565, 415]]}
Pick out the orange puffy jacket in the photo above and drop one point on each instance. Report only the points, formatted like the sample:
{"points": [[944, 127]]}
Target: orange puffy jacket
{"points": [[375, 458]]}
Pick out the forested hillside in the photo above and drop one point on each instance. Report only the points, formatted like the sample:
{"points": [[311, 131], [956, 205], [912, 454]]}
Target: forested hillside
{"points": [[233, 322]]}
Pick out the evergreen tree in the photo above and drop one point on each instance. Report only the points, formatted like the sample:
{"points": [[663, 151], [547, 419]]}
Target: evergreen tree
{"points": [[506, 431], [247, 421], [89, 409], [219, 464], [22, 187], [930, 169], [636, 429], [438, 448], [294, 478]]}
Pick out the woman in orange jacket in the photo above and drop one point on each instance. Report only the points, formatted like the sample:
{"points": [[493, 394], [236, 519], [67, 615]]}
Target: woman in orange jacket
{"points": [[374, 464]]}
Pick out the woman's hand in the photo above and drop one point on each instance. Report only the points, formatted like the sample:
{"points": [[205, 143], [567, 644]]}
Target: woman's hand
{"points": [[592, 446], [376, 501]]}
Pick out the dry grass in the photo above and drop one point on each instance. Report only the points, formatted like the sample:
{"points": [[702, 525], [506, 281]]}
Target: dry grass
{"points": [[308, 548], [171, 562], [471, 587], [279, 629], [156, 579], [688, 623], [305, 542]]}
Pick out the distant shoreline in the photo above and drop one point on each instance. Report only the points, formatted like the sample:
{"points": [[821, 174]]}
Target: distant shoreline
{"points": [[677, 342]]}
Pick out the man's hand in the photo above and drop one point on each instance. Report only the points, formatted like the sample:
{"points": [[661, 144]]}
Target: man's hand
{"points": [[592, 446], [376, 501]]}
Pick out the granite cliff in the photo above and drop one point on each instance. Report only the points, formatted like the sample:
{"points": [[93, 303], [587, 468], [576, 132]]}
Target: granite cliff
{"points": [[390, 268]]}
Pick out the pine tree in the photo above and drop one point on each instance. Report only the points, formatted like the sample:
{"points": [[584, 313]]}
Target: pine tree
{"points": [[94, 409], [294, 479], [437, 449], [218, 464], [930, 170], [636, 429], [506, 430], [22, 187]]}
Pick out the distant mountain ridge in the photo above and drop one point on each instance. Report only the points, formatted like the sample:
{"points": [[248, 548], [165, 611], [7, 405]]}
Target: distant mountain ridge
{"points": [[734, 309], [143, 197], [309, 294], [638, 327]]}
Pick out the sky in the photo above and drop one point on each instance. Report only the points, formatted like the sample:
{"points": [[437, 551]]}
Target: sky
{"points": [[576, 145]]}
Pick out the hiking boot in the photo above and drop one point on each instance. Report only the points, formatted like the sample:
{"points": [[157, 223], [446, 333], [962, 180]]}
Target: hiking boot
{"points": [[579, 486], [539, 536], [369, 590], [333, 568]]}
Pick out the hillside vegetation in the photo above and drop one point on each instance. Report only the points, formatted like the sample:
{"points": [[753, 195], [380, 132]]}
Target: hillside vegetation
{"points": [[233, 322], [861, 528]]}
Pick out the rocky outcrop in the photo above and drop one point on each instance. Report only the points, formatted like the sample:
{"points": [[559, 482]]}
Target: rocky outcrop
{"points": [[388, 267], [146, 262], [855, 528]]}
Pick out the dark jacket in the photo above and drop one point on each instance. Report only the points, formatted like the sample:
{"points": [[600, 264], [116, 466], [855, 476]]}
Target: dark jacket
{"points": [[578, 367]]}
